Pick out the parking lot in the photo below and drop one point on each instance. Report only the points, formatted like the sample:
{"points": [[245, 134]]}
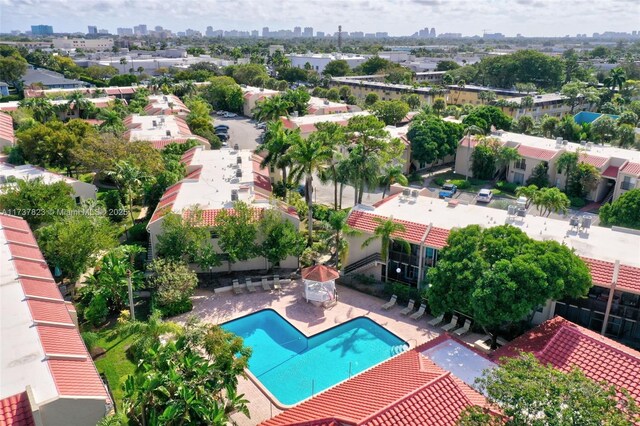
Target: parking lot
{"points": [[242, 131]]}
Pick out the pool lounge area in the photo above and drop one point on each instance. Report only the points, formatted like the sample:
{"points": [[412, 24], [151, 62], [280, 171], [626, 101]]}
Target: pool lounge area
{"points": [[293, 367], [309, 320]]}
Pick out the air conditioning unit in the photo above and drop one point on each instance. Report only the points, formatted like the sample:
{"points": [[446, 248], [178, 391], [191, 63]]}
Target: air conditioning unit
{"points": [[238, 160], [239, 173], [236, 147], [168, 132], [234, 195], [154, 123]]}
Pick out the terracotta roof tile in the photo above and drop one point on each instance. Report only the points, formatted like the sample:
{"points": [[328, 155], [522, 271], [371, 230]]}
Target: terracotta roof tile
{"points": [[363, 221], [631, 168], [16, 411], [19, 236], [602, 274], [594, 160], [437, 237], [611, 172], [30, 252], [60, 340], [40, 288], [565, 345], [319, 273], [77, 378], [44, 310], [32, 268], [537, 153]]}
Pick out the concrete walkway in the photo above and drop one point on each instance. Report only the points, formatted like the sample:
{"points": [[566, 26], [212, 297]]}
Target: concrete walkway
{"points": [[309, 319]]}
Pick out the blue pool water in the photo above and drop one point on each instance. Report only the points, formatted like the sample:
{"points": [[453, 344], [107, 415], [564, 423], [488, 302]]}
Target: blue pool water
{"points": [[293, 367]]}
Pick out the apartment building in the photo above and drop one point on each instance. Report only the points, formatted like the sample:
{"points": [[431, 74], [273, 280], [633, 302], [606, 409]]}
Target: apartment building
{"points": [[83, 43], [610, 253], [318, 61], [468, 94], [619, 168], [214, 181], [9, 174], [160, 130], [552, 104], [47, 377], [252, 95], [166, 105], [360, 88]]}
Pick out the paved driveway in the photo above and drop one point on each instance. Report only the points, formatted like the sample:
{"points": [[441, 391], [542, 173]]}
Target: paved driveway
{"points": [[242, 131]]}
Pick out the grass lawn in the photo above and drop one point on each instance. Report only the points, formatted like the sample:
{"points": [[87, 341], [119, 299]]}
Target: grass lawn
{"points": [[114, 364], [474, 185]]}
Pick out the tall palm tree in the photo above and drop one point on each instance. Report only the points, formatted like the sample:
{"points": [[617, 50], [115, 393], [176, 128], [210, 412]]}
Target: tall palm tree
{"points": [[566, 163], [42, 108], [309, 156], [392, 174], [333, 136], [271, 109], [384, 231], [123, 62], [339, 227], [112, 121], [617, 77], [276, 143], [77, 101], [471, 130], [506, 155], [129, 180]]}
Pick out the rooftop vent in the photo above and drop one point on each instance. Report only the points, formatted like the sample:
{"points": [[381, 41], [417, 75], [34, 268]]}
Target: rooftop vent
{"points": [[234, 195], [589, 146], [168, 132], [239, 173], [238, 160], [154, 123], [236, 147]]}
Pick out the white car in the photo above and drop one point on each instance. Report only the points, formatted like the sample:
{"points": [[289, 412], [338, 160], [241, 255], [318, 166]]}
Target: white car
{"points": [[221, 112], [484, 196], [230, 115]]}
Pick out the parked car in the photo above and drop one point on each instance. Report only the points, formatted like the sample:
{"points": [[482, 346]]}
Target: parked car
{"points": [[261, 125], [230, 115], [222, 136], [221, 126], [223, 131], [484, 196], [447, 191], [221, 112]]}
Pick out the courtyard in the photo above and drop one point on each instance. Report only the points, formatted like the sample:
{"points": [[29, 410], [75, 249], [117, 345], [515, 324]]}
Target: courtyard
{"points": [[217, 308]]}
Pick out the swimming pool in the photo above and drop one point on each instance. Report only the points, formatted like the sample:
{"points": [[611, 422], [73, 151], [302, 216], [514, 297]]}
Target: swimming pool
{"points": [[293, 367]]}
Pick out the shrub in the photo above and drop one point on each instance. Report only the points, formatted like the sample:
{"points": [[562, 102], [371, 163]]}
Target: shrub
{"points": [[138, 233], [461, 184], [90, 339], [97, 310], [174, 283], [177, 308], [403, 291], [415, 177], [115, 209], [625, 211], [509, 187], [321, 212], [439, 181], [577, 202]]}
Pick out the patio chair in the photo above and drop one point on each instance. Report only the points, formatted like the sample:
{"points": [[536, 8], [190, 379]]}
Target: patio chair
{"points": [[409, 307], [236, 287], [391, 303], [453, 324], [464, 329], [250, 286], [265, 285], [419, 313], [276, 283], [436, 320]]}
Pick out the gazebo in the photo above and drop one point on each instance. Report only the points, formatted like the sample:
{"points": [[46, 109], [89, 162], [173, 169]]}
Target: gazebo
{"points": [[319, 284]]}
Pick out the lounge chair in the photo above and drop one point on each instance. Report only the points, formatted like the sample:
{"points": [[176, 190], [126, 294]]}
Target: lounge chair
{"points": [[453, 324], [391, 303], [409, 307], [276, 283], [436, 320], [250, 286], [265, 285], [236, 287], [419, 313], [464, 329]]}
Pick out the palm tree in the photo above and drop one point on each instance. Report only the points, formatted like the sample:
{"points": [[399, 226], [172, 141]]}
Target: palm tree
{"points": [[112, 121], [505, 156], [617, 77], [146, 333], [129, 179], [309, 156], [123, 62], [529, 192], [566, 163], [42, 108], [384, 231], [333, 135], [77, 101], [338, 225], [471, 130], [277, 141], [271, 109], [392, 174], [447, 79]]}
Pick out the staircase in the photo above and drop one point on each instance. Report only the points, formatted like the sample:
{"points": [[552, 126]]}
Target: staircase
{"points": [[373, 259], [609, 196]]}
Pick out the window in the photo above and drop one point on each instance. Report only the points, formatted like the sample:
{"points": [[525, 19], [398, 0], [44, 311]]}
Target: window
{"points": [[78, 200], [520, 164], [213, 234], [628, 183], [518, 178]]}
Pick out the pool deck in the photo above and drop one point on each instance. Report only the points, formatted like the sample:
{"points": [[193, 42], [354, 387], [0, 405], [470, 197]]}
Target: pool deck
{"points": [[309, 319]]}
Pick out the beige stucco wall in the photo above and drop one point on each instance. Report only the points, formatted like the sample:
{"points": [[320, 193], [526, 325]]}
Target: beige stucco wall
{"points": [[85, 191]]}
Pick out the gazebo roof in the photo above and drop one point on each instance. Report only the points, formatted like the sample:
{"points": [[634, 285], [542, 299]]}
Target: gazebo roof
{"points": [[319, 273]]}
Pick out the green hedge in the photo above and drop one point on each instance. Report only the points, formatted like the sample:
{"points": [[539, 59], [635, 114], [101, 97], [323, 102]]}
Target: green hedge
{"points": [[461, 184], [577, 202], [403, 291], [509, 187]]}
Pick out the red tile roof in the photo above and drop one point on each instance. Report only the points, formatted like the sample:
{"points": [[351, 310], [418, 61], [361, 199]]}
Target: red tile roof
{"points": [[631, 168], [612, 172], [408, 389], [437, 237], [537, 153], [209, 216], [75, 374], [162, 143], [602, 274], [16, 411], [6, 128], [319, 273], [594, 160], [363, 221], [565, 344]]}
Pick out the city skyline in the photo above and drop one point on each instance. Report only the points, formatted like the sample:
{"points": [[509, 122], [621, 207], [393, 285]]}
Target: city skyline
{"points": [[403, 17]]}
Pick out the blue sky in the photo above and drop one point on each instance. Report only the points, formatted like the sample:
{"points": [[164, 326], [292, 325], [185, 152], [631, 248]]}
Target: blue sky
{"points": [[397, 17]]}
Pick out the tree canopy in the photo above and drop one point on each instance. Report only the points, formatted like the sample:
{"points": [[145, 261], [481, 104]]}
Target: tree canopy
{"points": [[499, 275], [37, 202], [433, 138], [391, 112], [625, 211]]}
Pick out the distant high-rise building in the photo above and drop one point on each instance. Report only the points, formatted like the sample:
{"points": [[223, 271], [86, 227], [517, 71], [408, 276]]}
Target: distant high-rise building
{"points": [[103, 31], [255, 33], [320, 34], [140, 30], [339, 37], [307, 32], [125, 31], [432, 33], [92, 29], [382, 35], [297, 31], [356, 34], [41, 29], [265, 32], [209, 31], [158, 28]]}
